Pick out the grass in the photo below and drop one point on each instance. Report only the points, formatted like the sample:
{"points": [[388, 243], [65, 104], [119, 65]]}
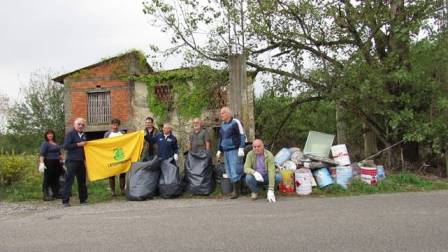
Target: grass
{"points": [[28, 188], [400, 182]]}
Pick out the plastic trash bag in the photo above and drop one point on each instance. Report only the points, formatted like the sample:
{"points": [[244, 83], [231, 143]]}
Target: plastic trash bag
{"points": [[170, 184], [218, 171], [142, 180], [282, 156], [296, 156], [199, 173], [289, 165]]}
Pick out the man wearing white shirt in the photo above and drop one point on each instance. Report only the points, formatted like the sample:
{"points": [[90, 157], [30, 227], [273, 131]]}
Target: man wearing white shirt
{"points": [[114, 132]]}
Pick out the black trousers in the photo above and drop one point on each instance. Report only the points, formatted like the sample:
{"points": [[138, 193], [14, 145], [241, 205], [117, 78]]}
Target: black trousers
{"points": [[51, 177], [78, 169]]}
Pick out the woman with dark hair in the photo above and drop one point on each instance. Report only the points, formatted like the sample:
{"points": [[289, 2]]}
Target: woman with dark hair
{"points": [[50, 157]]}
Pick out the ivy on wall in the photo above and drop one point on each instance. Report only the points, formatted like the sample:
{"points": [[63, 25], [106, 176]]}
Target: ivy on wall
{"points": [[192, 90]]}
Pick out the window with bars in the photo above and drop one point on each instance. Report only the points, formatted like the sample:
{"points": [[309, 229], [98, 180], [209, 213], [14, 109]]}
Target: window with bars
{"points": [[99, 109], [163, 93]]}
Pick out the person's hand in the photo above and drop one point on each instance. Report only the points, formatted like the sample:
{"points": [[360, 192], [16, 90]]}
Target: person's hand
{"points": [[258, 177], [81, 144], [241, 152], [271, 196], [176, 157], [42, 167], [218, 153]]}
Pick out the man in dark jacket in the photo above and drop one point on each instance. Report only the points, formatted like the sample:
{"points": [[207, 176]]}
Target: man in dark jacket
{"points": [[149, 150], [74, 142], [232, 141], [166, 143]]}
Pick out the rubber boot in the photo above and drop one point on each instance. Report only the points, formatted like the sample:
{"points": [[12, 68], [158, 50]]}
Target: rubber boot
{"points": [[236, 190]]}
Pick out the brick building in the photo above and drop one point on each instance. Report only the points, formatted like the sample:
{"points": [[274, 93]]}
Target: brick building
{"points": [[103, 91]]}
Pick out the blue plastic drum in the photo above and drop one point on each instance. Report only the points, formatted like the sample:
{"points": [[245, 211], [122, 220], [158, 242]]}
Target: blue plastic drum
{"points": [[323, 177], [344, 175]]}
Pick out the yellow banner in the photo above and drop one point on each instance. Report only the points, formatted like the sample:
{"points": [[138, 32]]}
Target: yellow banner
{"points": [[111, 156]]}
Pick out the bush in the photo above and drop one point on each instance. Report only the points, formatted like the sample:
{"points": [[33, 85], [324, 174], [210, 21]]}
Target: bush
{"points": [[13, 168]]}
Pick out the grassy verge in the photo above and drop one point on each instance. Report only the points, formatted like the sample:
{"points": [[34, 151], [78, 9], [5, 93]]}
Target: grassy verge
{"points": [[28, 188], [401, 182]]}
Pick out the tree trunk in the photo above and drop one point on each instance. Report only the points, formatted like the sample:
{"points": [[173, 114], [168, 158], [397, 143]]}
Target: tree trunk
{"points": [[446, 163], [370, 144], [341, 125]]}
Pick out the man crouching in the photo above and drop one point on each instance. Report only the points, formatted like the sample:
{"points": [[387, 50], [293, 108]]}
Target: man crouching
{"points": [[260, 170]]}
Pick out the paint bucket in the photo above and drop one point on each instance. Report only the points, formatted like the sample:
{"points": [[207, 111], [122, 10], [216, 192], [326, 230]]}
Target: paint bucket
{"points": [[340, 154], [287, 184], [380, 173], [226, 185], [323, 177], [282, 156], [303, 181], [343, 175], [368, 175]]}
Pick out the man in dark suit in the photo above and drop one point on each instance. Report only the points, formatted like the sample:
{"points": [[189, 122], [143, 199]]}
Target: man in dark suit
{"points": [[74, 142]]}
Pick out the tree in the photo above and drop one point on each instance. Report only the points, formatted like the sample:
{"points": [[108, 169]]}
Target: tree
{"points": [[4, 107], [41, 108], [357, 54]]}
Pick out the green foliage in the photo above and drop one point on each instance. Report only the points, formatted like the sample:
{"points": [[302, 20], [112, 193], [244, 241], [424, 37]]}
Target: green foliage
{"points": [[270, 111], [21, 181], [367, 56], [192, 90], [40, 108], [21, 143], [13, 168]]}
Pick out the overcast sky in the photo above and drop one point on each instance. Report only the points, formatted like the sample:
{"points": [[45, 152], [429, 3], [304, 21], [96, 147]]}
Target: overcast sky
{"points": [[64, 35]]}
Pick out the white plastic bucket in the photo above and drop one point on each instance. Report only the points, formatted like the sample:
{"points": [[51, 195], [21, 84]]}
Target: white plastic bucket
{"points": [[340, 154], [344, 175], [303, 178]]}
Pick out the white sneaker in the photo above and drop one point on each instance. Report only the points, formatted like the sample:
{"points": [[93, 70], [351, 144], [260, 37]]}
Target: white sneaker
{"points": [[253, 196]]}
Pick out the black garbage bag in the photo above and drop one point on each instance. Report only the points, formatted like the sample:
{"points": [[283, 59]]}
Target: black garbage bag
{"points": [[199, 173], [142, 180], [218, 171], [170, 184]]}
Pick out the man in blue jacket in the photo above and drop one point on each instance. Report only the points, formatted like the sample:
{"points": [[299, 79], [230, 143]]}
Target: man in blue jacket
{"points": [[166, 143], [74, 142], [231, 142]]}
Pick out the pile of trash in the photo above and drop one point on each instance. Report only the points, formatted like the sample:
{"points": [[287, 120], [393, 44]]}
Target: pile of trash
{"points": [[302, 170]]}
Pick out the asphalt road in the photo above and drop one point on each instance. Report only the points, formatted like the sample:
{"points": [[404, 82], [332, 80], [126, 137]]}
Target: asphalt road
{"points": [[383, 222]]}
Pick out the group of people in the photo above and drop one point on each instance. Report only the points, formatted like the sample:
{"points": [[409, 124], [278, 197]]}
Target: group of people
{"points": [[259, 166]]}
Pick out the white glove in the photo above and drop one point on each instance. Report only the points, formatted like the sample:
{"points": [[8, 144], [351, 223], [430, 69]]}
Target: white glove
{"points": [[240, 152], [258, 176], [42, 167], [176, 157], [271, 196], [218, 153]]}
